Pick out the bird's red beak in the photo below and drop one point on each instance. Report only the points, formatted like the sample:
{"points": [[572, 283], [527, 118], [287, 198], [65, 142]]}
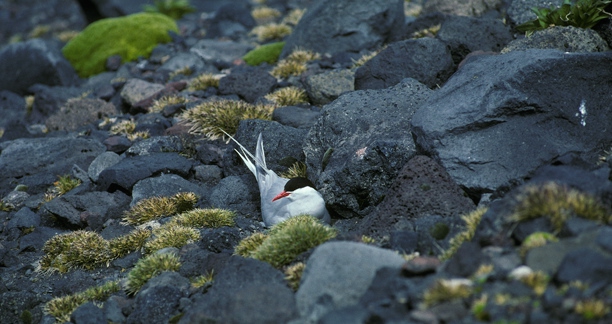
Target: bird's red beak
{"points": [[281, 195]]}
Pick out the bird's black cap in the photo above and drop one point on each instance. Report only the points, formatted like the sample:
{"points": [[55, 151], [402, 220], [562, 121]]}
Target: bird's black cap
{"points": [[297, 183]]}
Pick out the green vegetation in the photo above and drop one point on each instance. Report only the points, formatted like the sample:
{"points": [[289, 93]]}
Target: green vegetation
{"points": [[149, 267], [535, 240], [62, 307], [471, 221], [165, 101], [444, 290], [202, 280], [129, 37], [297, 169], [294, 63], [78, 249], [265, 53], [171, 235], [592, 309], [212, 218], [212, 118], [286, 240], [582, 14], [558, 202], [203, 82], [174, 9], [288, 96], [158, 207], [271, 31], [293, 275]]}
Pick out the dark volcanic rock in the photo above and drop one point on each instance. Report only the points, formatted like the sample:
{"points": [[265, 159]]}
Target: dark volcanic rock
{"points": [[368, 135], [159, 298], [127, 172], [427, 60], [245, 291], [35, 61], [422, 188], [467, 34], [346, 26], [80, 112], [247, 82], [500, 117], [37, 162]]}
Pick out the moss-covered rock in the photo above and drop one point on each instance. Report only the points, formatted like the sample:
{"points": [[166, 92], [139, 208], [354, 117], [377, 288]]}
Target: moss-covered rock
{"points": [[130, 37], [265, 53]]}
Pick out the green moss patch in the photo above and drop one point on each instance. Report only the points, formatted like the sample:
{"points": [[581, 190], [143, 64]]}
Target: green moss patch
{"points": [[129, 37], [266, 53]]}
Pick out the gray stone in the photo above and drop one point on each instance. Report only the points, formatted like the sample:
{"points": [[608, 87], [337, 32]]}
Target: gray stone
{"points": [[421, 189], [563, 38], [212, 50], [248, 82], [37, 162], [136, 90], [130, 170], [468, 34], [585, 265], [500, 117], [298, 117], [245, 291], [461, 7], [160, 300], [117, 8], [238, 193], [87, 313], [368, 135], [101, 162], [320, 290], [156, 144], [209, 174], [520, 11], [24, 218], [186, 60], [326, 87], [34, 61], [164, 185], [428, 60], [346, 26], [80, 112]]}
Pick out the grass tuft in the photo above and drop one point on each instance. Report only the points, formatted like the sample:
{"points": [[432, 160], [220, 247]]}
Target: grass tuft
{"points": [[158, 207], [471, 220], [212, 218], [149, 267], [78, 249], [163, 102], [293, 275], [62, 307], [271, 31], [213, 117], [171, 235], [204, 81], [288, 96], [444, 290]]}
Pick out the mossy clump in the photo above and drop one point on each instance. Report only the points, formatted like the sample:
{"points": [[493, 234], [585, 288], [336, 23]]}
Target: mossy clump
{"points": [[288, 96], [471, 220], [293, 275], [558, 202], [268, 53], [126, 244], [130, 37], [271, 31], [165, 101], [128, 129], [212, 118], [263, 15], [203, 82], [249, 245], [63, 185], [535, 240], [171, 235], [294, 64], [62, 307], [444, 290], [292, 237], [580, 13], [174, 9], [202, 280], [212, 218], [78, 249], [149, 267], [157, 207], [592, 309]]}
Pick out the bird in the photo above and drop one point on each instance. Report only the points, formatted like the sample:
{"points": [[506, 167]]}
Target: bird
{"points": [[281, 198]]}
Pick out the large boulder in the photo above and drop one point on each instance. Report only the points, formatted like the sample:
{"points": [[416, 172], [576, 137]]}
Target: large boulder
{"points": [[427, 60], [347, 26], [360, 143], [35, 61], [502, 116]]}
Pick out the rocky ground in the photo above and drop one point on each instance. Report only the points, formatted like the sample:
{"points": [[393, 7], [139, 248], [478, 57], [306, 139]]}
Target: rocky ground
{"points": [[466, 167]]}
